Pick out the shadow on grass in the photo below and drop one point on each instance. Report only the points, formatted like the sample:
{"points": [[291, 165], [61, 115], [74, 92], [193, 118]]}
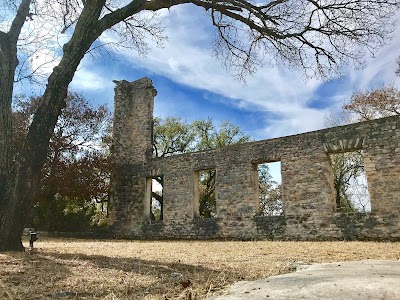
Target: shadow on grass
{"points": [[139, 266], [133, 278], [33, 276]]}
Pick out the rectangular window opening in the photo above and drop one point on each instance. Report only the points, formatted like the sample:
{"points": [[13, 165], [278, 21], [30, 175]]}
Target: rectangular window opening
{"points": [[156, 198], [270, 189], [350, 182], [207, 206]]}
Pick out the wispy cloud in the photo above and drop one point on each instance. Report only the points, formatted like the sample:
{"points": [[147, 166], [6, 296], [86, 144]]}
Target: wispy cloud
{"points": [[86, 78], [380, 68], [187, 60]]}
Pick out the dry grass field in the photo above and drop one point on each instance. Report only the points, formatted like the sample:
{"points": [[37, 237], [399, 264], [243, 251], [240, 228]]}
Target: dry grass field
{"points": [[90, 269]]}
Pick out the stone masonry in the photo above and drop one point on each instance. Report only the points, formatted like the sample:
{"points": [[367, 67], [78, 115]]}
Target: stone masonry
{"points": [[307, 181]]}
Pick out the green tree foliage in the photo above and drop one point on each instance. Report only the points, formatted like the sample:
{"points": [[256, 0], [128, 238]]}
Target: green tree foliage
{"points": [[76, 174], [207, 197], [172, 136], [209, 137]]}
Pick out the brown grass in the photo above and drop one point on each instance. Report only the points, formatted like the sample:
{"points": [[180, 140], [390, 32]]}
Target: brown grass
{"points": [[89, 269]]}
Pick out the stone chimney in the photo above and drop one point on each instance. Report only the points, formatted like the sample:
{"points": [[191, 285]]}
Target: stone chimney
{"points": [[133, 121], [132, 147]]}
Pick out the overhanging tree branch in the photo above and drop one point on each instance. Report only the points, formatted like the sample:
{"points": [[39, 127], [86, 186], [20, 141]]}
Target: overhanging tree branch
{"points": [[19, 20], [121, 14]]}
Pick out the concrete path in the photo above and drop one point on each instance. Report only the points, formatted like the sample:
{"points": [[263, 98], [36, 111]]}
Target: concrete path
{"points": [[358, 280]]}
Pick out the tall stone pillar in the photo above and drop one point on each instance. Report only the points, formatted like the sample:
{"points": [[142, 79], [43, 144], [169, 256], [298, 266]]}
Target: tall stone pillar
{"points": [[132, 147]]}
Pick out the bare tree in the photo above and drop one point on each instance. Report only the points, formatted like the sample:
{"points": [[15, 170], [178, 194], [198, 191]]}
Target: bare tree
{"points": [[316, 35], [269, 193], [378, 103], [348, 168]]}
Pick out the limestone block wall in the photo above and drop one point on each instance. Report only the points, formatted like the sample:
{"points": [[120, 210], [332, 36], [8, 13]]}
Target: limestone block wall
{"points": [[307, 184], [132, 146]]}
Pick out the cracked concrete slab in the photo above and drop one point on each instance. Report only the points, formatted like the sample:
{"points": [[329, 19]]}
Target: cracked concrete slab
{"points": [[357, 280]]}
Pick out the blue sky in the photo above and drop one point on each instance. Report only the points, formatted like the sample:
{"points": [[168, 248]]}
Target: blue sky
{"points": [[192, 84]]}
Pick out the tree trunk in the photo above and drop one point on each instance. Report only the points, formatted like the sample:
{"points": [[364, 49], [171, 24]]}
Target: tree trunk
{"points": [[7, 69], [23, 179], [20, 181], [8, 63]]}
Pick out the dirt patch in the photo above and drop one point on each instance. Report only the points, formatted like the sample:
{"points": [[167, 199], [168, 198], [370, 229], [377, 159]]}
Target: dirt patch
{"points": [[89, 269]]}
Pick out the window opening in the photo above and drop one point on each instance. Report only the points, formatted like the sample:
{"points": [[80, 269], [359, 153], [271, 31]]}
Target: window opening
{"points": [[269, 189], [156, 199], [206, 193], [350, 182]]}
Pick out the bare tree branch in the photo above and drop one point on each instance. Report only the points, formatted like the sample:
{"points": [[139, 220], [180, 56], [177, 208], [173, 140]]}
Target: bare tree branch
{"points": [[19, 20]]}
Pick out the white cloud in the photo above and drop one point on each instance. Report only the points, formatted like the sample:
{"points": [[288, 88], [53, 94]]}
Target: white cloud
{"points": [[40, 43], [380, 68], [296, 121], [43, 61], [85, 79], [186, 59]]}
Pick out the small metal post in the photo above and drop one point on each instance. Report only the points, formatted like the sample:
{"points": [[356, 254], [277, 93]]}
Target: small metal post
{"points": [[32, 238]]}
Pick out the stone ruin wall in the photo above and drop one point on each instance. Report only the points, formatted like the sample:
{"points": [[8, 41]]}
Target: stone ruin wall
{"points": [[307, 181]]}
